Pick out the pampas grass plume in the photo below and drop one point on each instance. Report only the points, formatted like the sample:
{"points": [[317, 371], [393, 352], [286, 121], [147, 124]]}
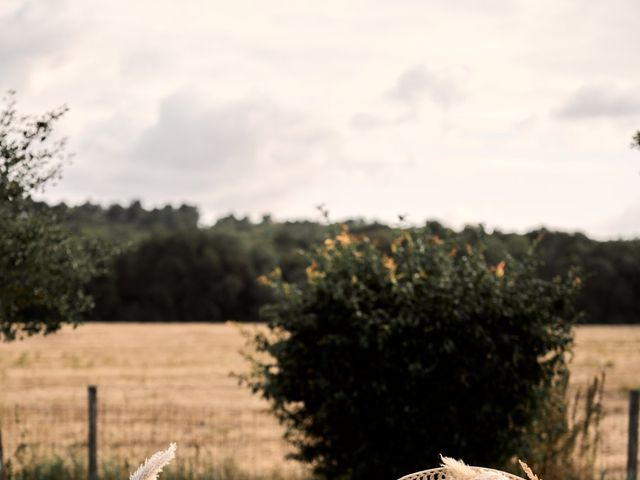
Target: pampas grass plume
{"points": [[528, 471], [150, 469], [458, 470]]}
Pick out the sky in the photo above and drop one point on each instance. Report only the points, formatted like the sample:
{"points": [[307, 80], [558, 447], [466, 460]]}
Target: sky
{"points": [[511, 113]]}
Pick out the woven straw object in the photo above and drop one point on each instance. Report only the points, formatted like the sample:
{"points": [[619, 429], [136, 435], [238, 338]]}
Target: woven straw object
{"points": [[441, 474]]}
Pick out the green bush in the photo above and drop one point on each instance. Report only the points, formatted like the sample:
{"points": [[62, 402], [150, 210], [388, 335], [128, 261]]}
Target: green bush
{"points": [[382, 361]]}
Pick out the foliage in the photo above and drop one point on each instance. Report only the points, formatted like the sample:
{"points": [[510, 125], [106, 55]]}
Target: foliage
{"points": [[43, 268], [635, 140], [564, 443], [201, 274], [44, 271], [29, 160], [610, 282], [381, 361], [189, 276], [123, 224]]}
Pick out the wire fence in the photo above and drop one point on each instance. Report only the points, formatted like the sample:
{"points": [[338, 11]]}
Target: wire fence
{"points": [[210, 436], [128, 433], [618, 436]]}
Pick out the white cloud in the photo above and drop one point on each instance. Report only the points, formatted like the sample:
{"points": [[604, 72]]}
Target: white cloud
{"points": [[420, 81], [31, 33], [411, 89], [283, 104], [626, 224], [601, 101], [234, 154], [235, 134]]}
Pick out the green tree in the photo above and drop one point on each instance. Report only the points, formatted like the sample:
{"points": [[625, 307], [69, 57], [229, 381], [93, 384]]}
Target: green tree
{"points": [[185, 276], [380, 362], [43, 268]]}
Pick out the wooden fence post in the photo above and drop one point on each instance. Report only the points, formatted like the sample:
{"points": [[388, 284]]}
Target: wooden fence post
{"points": [[93, 445], [2, 472], [632, 452]]}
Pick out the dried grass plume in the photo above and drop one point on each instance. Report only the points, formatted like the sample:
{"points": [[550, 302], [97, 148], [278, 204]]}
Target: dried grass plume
{"points": [[150, 469], [528, 471], [457, 469]]}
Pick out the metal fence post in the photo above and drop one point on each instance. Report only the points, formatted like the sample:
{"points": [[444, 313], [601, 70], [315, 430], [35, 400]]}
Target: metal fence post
{"points": [[92, 443], [632, 452]]}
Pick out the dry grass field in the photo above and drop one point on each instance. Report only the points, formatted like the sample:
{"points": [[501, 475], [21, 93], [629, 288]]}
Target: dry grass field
{"points": [[156, 384], [616, 351], [171, 382]]}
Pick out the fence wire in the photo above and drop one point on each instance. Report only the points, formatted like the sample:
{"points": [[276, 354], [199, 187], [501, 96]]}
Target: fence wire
{"points": [[132, 426], [127, 433]]}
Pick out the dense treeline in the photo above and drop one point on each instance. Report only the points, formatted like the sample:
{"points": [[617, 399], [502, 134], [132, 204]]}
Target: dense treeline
{"points": [[123, 224], [169, 268]]}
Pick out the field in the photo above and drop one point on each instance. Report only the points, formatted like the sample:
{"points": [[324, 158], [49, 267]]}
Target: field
{"points": [[159, 383], [616, 351]]}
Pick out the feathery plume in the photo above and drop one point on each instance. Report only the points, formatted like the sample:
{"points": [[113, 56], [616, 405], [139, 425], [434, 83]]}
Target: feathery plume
{"points": [[528, 471], [457, 469], [150, 469]]}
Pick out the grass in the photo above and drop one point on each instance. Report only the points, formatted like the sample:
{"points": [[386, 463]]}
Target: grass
{"points": [[616, 351], [159, 383], [569, 435], [71, 467]]}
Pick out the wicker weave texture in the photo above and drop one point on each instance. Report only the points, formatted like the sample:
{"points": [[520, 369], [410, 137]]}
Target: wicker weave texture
{"points": [[441, 474]]}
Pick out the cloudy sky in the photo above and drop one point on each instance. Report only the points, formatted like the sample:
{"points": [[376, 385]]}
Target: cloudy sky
{"points": [[511, 113]]}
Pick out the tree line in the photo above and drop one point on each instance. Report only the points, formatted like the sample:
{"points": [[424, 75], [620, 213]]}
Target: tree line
{"points": [[168, 267]]}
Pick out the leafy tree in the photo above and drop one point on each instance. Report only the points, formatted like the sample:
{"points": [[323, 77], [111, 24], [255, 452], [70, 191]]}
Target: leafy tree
{"points": [[635, 140], [185, 276], [43, 269], [378, 363]]}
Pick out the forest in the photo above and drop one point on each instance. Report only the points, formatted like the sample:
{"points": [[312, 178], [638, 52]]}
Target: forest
{"points": [[167, 267]]}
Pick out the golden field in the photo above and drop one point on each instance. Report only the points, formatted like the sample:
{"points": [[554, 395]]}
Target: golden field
{"points": [[159, 383]]}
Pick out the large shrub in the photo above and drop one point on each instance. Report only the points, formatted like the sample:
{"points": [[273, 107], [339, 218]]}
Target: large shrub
{"points": [[382, 361]]}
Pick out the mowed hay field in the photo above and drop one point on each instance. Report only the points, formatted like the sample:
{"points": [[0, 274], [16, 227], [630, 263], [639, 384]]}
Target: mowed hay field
{"points": [[159, 383], [616, 351]]}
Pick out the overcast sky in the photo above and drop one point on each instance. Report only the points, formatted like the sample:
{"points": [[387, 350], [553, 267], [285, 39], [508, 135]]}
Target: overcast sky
{"points": [[511, 113]]}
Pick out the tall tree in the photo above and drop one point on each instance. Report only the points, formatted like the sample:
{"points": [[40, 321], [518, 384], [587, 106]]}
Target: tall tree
{"points": [[43, 268]]}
